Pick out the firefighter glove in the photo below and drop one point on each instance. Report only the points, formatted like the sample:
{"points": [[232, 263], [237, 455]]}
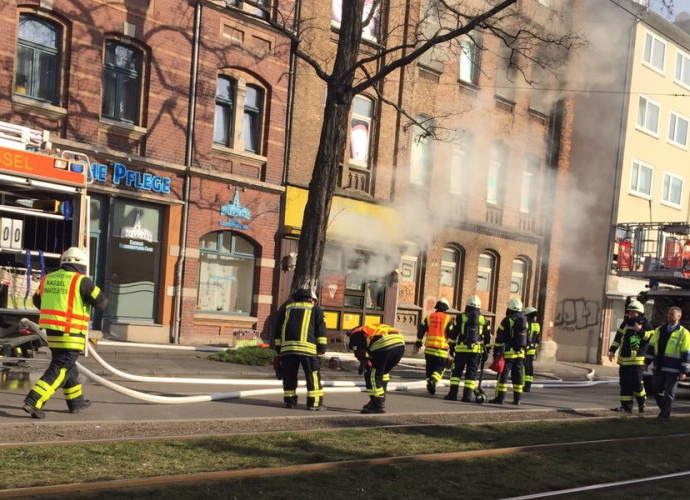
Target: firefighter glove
{"points": [[418, 344], [321, 349]]}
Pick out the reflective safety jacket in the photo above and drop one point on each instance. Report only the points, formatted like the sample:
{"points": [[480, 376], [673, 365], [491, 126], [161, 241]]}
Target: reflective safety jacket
{"points": [[676, 356], [302, 329], [630, 343], [511, 337], [64, 312], [533, 337], [470, 334], [367, 339], [436, 326]]}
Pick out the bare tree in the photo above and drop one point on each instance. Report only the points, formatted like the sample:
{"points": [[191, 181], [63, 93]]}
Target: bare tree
{"points": [[439, 23]]}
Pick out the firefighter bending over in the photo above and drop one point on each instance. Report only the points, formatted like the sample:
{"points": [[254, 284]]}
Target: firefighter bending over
{"points": [[468, 340], [631, 341], [511, 339], [533, 341], [436, 327], [379, 348], [65, 298], [302, 339]]}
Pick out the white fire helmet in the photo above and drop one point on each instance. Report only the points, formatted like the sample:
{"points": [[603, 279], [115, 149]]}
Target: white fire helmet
{"points": [[74, 255], [515, 305], [474, 301]]}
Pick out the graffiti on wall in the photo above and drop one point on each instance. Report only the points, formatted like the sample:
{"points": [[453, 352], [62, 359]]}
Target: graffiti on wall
{"points": [[577, 314]]}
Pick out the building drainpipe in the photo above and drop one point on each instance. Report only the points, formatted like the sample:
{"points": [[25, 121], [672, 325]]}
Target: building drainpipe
{"points": [[189, 147], [291, 95]]}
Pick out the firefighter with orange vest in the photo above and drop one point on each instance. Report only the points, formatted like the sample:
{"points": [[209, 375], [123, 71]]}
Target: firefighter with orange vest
{"points": [[436, 327], [468, 340], [64, 298], [300, 340], [511, 339], [379, 348], [631, 341]]}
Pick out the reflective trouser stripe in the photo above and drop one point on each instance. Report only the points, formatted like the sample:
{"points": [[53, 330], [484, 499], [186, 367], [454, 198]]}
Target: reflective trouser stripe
{"points": [[72, 392], [374, 390], [45, 390]]}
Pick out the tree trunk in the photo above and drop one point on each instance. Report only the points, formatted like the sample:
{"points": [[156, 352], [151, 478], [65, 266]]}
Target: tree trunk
{"points": [[331, 150]]}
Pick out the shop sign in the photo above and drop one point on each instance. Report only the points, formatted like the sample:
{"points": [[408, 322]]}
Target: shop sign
{"points": [[234, 211], [122, 175], [136, 237]]}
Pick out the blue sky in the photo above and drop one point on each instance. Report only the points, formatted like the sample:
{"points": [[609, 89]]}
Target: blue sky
{"points": [[678, 6]]}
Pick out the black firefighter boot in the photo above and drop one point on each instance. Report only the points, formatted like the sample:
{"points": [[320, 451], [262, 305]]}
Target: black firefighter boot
{"points": [[378, 406], [452, 394], [370, 404], [526, 387], [466, 395], [498, 400], [641, 404], [516, 398]]}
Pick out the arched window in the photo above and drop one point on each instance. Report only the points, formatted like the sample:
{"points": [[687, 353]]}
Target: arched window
{"points": [[239, 114], [421, 152], [360, 129], [38, 58], [226, 273], [451, 269], [519, 279], [122, 80], [486, 279]]}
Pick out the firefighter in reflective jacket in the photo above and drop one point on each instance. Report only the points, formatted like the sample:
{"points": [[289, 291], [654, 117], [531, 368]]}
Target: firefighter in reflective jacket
{"points": [[64, 298], [379, 348], [631, 342], [511, 339], [468, 340], [533, 341], [302, 339], [436, 327]]}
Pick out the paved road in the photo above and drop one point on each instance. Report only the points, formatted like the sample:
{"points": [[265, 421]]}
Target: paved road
{"points": [[265, 412]]}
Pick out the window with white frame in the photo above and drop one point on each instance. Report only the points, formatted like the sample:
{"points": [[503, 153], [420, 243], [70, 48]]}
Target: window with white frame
{"points": [[678, 130], [251, 9], [122, 82], [469, 60], [253, 102], [494, 181], [371, 17], [449, 282], [486, 267], [641, 179], [672, 190], [421, 152], [654, 52], [682, 71], [223, 129], [517, 279], [527, 188], [360, 129], [461, 162], [226, 273], [648, 115], [239, 110], [38, 58]]}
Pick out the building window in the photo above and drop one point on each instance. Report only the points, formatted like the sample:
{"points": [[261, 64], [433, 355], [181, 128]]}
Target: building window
{"points": [[518, 277], [528, 189], [253, 101], [421, 152], [251, 9], [641, 179], [494, 182], [469, 60], [121, 82], [461, 156], [451, 262], [506, 74], [360, 129], [226, 273], [682, 72], [672, 190], [648, 116], [38, 59], [485, 279], [654, 52], [371, 18], [678, 130], [409, 274], [223, 129]]}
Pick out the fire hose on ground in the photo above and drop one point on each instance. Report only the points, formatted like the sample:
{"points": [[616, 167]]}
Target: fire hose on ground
{"points": [[329, 386]]}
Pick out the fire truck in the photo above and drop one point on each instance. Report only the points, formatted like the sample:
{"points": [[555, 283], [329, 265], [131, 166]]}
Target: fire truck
{"points": [[657, 253], [44, 210]]}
